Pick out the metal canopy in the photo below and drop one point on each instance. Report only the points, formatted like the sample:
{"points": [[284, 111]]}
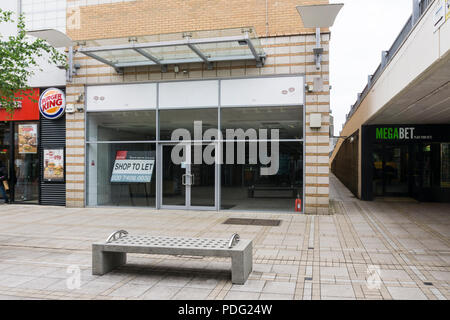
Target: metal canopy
{"points": [[177, 48]]}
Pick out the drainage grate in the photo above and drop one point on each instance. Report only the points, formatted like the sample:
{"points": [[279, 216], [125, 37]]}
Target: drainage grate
{"points": [[428, 283], [253, 222]]}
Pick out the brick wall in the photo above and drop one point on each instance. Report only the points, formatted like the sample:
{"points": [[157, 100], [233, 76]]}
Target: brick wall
{"points": [[148, 17], [345, 164]]}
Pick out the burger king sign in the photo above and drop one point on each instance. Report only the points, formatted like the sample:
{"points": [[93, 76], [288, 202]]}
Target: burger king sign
{"points": [[52, 103]]}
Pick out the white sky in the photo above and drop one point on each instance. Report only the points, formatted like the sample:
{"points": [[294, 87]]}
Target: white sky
{"points": [[361, 31]]}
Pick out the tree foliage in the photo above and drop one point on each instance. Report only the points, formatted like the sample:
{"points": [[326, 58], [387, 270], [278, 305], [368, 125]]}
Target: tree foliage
{"points": [[18, 56]]}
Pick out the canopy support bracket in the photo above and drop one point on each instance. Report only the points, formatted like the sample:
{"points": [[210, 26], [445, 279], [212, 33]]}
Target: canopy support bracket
{"points": [[147, 55], [96, 57], [259, 59]]}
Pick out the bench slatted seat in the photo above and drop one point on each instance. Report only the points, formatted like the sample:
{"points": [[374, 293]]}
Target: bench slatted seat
{"points": [[112, 254]]}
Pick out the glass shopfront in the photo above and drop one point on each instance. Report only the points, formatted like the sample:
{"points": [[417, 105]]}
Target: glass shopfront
{"points": [[19, 150], [32, 148], [406, 161], [193, 184], [26, 162], [231, 156]]}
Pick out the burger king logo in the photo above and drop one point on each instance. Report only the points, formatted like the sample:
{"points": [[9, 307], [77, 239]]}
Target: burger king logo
{"points": [[52, 103]]}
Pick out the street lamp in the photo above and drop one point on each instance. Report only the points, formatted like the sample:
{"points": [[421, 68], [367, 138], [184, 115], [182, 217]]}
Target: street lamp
{"points": [[57, 39], [54, 37], [319, 16]]}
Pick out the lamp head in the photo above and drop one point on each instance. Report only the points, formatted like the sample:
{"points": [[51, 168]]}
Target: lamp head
{"points": [[54, 37], [319, 16]]}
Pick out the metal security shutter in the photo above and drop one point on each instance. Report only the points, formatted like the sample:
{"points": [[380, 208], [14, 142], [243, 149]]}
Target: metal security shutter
{"points": [[52, 135]]}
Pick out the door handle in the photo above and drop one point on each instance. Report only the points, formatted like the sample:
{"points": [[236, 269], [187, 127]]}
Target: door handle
{"points": [[192, 180], [183, 179]]}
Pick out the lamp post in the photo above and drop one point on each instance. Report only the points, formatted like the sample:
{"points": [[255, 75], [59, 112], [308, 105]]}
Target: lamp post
{"points": [[58, 39], [319, 16]]}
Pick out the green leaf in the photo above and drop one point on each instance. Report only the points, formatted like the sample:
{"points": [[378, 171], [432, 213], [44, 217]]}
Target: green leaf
{"points": [[18, 55]]}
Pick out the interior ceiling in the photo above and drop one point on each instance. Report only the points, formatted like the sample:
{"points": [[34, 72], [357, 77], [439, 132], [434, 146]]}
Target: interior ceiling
{"points": [[425, 102], [289, 119]]}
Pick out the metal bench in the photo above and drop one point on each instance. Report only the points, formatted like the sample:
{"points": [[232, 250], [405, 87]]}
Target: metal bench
{"points": [[112, 254]]}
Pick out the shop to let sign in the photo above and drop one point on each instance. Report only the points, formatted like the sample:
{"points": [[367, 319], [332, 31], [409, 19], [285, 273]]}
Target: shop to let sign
{"points": [[133, 167]]}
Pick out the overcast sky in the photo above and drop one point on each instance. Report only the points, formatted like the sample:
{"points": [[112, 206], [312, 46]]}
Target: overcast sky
{"points": [[362, 30]]}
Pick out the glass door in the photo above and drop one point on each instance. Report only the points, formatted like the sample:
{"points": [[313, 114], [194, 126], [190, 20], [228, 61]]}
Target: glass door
{"points": [[202, 178], [173, 180], [26, 163], [5, 150], [395, 169], [189, 184]]}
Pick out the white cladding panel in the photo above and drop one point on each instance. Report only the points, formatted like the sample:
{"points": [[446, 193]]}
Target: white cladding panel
{"points": [[263, 91], [189, 94], [121, 97]]}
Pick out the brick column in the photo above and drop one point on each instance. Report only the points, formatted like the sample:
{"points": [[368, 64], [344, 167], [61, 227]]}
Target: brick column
{"points": [[75, 149], [317, 140]]}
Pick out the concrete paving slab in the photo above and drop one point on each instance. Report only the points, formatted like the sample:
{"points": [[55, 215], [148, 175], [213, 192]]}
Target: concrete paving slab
{"points": [[407, 242], [401, 293]]}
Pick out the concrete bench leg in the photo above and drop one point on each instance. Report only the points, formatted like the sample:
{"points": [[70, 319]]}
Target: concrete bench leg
{"points": [[241, 265], [104, 261]]}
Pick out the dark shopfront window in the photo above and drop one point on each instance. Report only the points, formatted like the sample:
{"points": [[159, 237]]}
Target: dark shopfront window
{"points": [[5, 146], [420, 170], [19, 152], [244, 188], [26, 162]]}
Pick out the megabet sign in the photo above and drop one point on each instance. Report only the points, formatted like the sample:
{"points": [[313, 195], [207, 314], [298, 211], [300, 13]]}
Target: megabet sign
{"points": [[406, 133], [395, 133], [52, 103]]}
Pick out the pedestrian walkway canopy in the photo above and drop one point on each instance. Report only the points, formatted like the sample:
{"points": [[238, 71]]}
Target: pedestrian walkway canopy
{"points": [[177, 48]]}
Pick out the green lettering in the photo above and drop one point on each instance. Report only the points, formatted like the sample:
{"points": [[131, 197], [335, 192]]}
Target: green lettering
{"points": [[390, 133], [385, 133], [379, 133], [396, 133]]}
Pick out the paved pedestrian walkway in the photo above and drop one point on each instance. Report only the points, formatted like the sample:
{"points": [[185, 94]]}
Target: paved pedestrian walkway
{"points": [[363, 250]]}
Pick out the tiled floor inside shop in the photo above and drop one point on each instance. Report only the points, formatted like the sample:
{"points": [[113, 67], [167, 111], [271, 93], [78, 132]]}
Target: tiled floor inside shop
{"points": [[363, 250]]}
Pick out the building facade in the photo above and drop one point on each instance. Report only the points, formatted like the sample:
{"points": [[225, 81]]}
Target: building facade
{"points": [[92, 148], [27, 137], [246, 65], [396, 141]]}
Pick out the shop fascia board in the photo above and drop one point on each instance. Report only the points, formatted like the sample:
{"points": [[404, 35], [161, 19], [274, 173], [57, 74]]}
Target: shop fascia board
{"points": [[191, 43]]}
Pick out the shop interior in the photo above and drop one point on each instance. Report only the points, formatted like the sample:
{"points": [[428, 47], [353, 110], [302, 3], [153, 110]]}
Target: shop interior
{"points": [[239, 186]]}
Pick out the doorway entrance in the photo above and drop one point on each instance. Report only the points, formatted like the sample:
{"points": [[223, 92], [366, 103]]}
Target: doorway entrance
{"points": [[391, 170], [189, 184], [19, 153]]}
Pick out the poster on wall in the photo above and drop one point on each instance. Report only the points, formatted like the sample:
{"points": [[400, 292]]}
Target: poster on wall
{"points": [[54, 165], [445, 165], [28, 140], [133, 167]]}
